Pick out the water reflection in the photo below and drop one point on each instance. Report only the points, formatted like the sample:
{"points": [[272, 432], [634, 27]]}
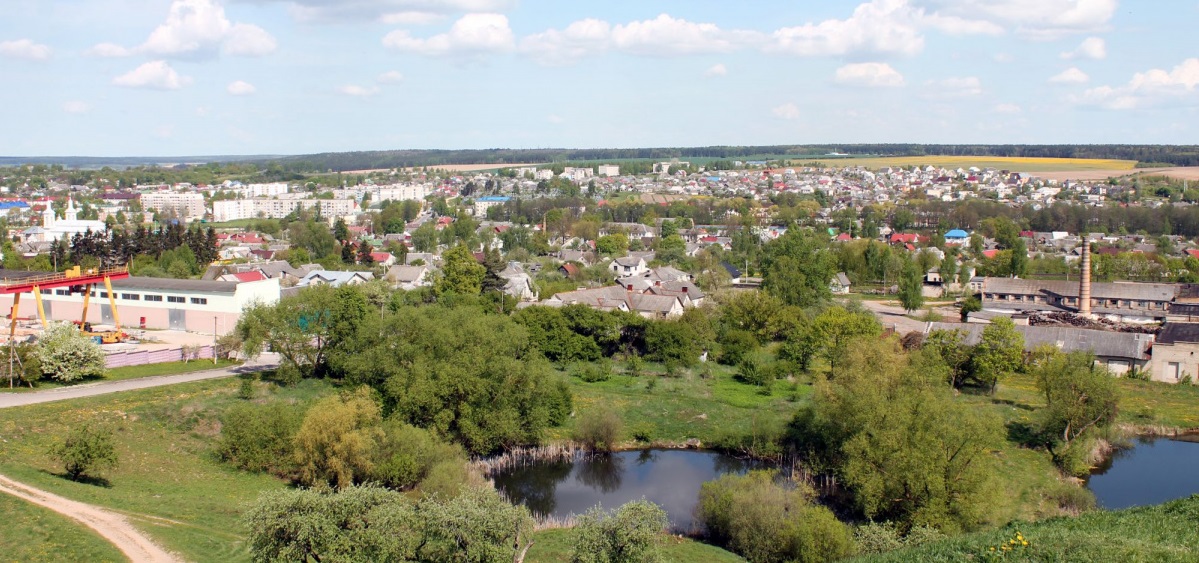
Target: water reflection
{"points": [[670, 478], [1151, 472]]}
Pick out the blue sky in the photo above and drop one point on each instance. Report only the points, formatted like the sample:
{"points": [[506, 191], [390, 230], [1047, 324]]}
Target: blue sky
{"points": [[195, 77]]}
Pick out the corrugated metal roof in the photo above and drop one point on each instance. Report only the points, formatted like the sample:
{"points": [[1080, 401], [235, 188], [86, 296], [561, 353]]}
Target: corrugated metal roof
{"points": [[1101, 342], [1130, 290]]}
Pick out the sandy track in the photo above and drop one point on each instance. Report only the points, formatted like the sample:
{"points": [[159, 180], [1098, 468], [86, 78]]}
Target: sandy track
{"points": [[111, 526]]}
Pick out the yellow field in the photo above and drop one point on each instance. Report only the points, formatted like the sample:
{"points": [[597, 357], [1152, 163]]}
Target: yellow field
{"points": [[1015, 164]]}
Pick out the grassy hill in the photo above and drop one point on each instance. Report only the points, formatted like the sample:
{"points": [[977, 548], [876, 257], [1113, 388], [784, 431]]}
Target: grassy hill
{"points": [[1164, 532]]}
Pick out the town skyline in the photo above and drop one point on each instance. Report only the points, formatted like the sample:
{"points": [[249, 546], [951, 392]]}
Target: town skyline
{"points": [[205, 77]]}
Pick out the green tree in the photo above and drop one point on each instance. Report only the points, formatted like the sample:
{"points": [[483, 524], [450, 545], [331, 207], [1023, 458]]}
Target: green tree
{"points": [[304, 328], [837, 327], [340, 231], [630, 534], [1081, 399], [911, 286], [259, 437], [85, 450], [65, 354], [1019, 260], [1000, 350], [763, 521], [615, 244], [798, 268], [337, 443], [461, 273], [424, 238]]}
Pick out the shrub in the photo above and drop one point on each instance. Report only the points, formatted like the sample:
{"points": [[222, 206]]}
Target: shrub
{"points": [[66, 354], [407, 456], [595, 372], [764, 522], [85, 450], [628, 535], [259, 437], [246, 389], [876, 538], [599, 430], [752, 372], [736, 345], [338, 440]]}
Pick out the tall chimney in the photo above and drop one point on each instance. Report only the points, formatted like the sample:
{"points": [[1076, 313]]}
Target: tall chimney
{"points": [[1084, 286]]}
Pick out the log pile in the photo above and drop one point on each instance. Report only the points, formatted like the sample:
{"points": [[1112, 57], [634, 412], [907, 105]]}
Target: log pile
{"points": [[1076, 321]]}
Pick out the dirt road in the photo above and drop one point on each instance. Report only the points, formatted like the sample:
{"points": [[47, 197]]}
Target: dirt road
{"points": [[111, 526], [266, 361]]}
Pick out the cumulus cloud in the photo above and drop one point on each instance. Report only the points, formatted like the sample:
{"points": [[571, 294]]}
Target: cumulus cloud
{"points": [[394, 12], [390, 77], [197, 29], [24, 49], [881, 27], [155, 75], [869, 75], [240, 88], [717, 69], [1070, 76], [786, 111], [1147, 88], [471, 37], [666, 36], [359, 91], [76, 107], [1090, 48], [957, 87], [561, 47], [108, 51], [1008, 109], [1035, 19]]}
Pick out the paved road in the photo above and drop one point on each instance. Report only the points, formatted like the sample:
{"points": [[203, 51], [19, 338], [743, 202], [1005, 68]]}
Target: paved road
{"points": [[266, 361], [111, 526]]}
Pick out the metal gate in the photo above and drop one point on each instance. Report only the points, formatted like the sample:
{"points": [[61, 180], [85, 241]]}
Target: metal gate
{"points": [[48, 309], [106, 314], [178, 319]]}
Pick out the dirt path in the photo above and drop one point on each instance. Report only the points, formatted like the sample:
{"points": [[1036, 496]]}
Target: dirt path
{"points": [[111, 526]]}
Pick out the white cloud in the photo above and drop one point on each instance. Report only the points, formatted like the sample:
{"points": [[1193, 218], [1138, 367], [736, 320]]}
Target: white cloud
{"points": [[392, 12], [1035, 19], [555, 119], [881, 27], [786, 111], [717, 69], [1008, 109], [1148, 88], [359, 91], [390, 77], [1090, 48], [1070, 76], [240, 88], [666, 36], [24, 49], [472, 36], [869, 75], [157, 75], [958, 87], [76, 107], [108, 51], [556, 48], [197, 29]]}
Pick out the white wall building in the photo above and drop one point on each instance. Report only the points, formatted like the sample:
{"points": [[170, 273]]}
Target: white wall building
{"points": [[608, 170], [233, 210], [187, 205], [398, 192]]}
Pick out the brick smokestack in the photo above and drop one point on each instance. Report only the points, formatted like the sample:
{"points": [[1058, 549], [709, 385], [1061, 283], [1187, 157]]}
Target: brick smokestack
{"points": [[1084, 286]]}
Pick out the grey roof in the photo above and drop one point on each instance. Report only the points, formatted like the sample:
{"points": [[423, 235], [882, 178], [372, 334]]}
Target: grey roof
{"points": [[1121, 290], [1179, 332], [1100, 342], [172, 284], [405, 274], [842, 279]]}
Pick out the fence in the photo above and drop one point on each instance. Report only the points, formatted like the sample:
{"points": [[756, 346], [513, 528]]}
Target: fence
{"points": [[143, 357]]}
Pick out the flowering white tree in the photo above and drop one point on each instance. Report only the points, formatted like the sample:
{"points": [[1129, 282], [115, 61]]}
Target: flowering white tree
{"points": [[65, 354]]}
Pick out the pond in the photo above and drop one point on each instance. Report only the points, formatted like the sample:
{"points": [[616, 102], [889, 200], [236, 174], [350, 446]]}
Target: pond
{"points": [[670, 478], [1151, 472]]}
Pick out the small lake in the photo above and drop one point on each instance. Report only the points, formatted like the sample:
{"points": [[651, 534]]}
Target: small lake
{"points": [[670, 478], [1151, 472]]}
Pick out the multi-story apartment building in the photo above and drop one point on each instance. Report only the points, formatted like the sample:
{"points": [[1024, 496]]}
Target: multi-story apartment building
{"points": [[186, 205]]}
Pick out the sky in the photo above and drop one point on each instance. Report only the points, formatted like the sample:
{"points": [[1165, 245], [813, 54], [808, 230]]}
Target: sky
{"points": [[222, 77]]}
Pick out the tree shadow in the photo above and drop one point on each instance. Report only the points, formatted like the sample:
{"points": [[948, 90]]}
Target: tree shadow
{"points": [[1024, 434], [1013, 404], [84, 479]]}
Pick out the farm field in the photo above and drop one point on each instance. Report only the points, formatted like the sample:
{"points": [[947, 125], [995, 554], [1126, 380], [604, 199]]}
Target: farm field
{"points": [[1015, 164]]}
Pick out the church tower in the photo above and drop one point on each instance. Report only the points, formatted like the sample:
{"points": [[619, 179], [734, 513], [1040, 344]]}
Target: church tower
{"points": [[48, 216], [71, 213]]}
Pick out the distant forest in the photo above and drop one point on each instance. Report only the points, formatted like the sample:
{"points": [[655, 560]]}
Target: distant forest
{"points": [[1166, 155]]}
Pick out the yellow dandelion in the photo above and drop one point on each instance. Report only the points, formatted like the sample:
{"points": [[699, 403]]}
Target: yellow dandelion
{"points": [[1024, 543], [992, 549]]}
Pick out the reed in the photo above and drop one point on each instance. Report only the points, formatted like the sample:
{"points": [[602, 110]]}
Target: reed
{"points": [[523, 457]]}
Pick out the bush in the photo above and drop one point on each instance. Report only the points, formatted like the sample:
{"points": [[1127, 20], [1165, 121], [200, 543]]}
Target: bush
{"points": [[599, 430], [736, 345], [628, 535], [407, 456], [85, 450], [338, 440], [65, 354], [259, 437], [595, 372], [762, 521], [752, 372]]}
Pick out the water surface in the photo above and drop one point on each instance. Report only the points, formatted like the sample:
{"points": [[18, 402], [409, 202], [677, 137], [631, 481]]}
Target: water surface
{"points": [[1151, 472]]}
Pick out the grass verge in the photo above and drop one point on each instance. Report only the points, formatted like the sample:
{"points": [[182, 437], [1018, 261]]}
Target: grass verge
{"points": [[552, 546], [132, 372], [33, 533]]}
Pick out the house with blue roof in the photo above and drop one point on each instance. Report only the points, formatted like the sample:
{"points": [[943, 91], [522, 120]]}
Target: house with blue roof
{"points": [[957, 236]]}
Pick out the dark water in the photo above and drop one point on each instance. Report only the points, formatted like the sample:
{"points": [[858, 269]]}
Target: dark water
{"points": [[670, 478], [1151, 472]]}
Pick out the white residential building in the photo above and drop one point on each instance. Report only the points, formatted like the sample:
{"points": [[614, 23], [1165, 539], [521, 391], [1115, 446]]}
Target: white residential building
{"points": [[233, 210], [399, 192], [608, 170], [187, 205]]}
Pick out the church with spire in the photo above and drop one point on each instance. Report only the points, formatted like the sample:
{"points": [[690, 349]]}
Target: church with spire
{"points": [[53, 228]]}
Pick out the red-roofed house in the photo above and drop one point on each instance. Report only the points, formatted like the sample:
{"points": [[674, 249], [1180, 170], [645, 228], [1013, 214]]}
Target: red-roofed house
{"points": [[844, 237], [1193, 252], [384, 259], [990, 253], [251, 276], [904, 238]]}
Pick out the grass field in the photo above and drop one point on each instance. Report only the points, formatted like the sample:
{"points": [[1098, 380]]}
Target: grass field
{"points": [[552, 546], [1166, 532], [33, 533], [132, 372], [1142, 403], [167, 482], [1015, 164]]}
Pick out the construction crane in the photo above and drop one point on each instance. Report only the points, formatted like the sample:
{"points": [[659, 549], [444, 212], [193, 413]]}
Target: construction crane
{"points": [[77, 281]]}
